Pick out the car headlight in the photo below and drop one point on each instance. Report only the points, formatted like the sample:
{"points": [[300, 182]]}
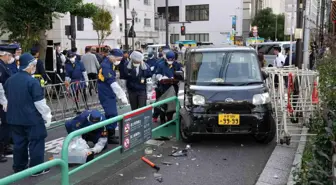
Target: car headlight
{"points": [[260, 99], [198, 100]]}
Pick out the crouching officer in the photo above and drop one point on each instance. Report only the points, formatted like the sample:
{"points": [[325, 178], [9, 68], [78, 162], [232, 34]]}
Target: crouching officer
{"points": [[138, 72], [109, 90], [87, 118], [27, 113], [167, 70]]}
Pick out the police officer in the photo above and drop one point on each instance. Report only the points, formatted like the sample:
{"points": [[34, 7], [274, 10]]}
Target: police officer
{"points": [[40, 73], [152, 62], [166, 70], [109, 90], [76, 74], [5, 58], [89, 117], [138, 72], [28, 115], [13, 67]]}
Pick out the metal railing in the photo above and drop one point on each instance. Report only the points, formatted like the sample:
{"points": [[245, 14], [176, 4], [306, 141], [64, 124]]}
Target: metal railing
{"points": [[65, 173]]}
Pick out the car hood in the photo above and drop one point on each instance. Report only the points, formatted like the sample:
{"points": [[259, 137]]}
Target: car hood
{"points": [[228, 93]]}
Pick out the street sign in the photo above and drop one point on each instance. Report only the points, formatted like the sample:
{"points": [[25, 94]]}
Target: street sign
{"points": [[136, 128], [289, 24], [234, 22]]}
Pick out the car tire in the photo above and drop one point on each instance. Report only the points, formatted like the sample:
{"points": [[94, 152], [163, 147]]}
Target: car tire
{"points": [[269, 136], [186, 137]]}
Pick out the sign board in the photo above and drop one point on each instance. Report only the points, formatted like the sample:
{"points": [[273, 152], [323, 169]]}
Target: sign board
{"points": [[234, 22], [136, 129], [290, 24], [254, 40]]}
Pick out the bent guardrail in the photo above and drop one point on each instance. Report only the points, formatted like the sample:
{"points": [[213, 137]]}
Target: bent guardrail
{"points": [[63, 162]]}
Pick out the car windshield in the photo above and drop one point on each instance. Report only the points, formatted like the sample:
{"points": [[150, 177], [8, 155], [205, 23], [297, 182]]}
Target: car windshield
{"points": [[225, 68]]}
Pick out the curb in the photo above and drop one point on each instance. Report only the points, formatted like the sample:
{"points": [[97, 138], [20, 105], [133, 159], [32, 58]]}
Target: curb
{"points": [[282, 162]]}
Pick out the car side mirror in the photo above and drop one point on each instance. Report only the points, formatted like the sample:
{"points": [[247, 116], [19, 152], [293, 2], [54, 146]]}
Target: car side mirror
{"points": [[265, 75]]}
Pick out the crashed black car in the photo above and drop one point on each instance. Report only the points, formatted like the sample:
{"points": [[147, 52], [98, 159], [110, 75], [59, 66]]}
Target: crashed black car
{"points": [[225, 93]]}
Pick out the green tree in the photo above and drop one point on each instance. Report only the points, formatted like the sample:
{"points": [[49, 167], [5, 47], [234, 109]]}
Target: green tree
{"points": [[27, 21], [101, 22], [267, 23]]}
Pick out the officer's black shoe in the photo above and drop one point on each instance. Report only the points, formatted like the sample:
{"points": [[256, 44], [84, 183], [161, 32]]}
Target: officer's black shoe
{"points": [[41, 172], [112, 138], [8, 149], [3, 158]]}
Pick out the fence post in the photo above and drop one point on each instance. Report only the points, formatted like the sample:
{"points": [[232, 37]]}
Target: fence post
{"points": [[178, 106]]}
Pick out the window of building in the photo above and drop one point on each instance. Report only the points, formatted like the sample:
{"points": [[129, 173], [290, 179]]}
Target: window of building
{"points": [[80, 23], [174, 38], [147, 2], [121, 27], [174, 13], [147, 22], [197, 12], [199, 37], [120, 3]]}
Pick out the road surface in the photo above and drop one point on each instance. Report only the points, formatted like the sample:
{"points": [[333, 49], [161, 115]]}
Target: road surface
{"points": [[229, 160]]}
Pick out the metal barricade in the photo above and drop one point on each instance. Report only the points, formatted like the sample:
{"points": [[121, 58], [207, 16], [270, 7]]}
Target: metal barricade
{"points": [[292, 92], [63, 162]]}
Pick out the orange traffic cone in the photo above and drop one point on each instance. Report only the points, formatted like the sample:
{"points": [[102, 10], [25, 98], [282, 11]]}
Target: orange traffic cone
{"points": [[315, 98]]}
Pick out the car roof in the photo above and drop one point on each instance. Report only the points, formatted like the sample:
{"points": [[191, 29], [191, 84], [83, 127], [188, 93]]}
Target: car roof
{"points": [[208, 48]]}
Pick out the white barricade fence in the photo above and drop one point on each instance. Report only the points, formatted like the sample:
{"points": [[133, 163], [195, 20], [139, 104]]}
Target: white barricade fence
{"points": [[294, 96]]}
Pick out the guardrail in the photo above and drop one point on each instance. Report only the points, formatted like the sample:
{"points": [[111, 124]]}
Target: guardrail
{"points": [[65, 173]]}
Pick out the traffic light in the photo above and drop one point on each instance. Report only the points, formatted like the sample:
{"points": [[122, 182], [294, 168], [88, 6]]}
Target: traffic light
{"points": [[182, 30]]}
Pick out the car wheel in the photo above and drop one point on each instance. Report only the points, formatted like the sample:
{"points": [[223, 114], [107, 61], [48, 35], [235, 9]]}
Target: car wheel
{"points": [[186, 137], [270, 131]]}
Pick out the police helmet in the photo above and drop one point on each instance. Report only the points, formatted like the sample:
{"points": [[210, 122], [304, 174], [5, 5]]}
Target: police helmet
{"points": [[95, 116]]}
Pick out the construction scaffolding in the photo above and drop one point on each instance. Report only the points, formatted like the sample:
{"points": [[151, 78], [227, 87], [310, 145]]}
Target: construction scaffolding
{"points": [[294, 96]]}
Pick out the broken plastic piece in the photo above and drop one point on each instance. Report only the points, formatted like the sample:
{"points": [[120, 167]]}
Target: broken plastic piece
{"points": [[148, 151], [158, 177], [159, 155], [188, 147], [174, 147], [166, 163], [193, 159], [140, 178], [181, 153], [121, 175]]}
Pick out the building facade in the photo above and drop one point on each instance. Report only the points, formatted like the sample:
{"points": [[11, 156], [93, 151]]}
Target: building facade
{"points": [[85, 35], [204, 20]]}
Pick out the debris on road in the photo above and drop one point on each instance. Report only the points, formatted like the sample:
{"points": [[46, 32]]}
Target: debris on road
{"points": [[166, 163], [151, 164], [140, 178], [180, 153], [188, 147], [174, 147], [148, 151], [121, 175], [276, 177], [193, 159], [158, 177], [158, 156]]}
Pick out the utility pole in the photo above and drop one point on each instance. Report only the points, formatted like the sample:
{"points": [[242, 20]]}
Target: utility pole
{"points": [[306, 36], [125, 22], [299, 23], [167, 24], [73, 30], [323, 2]]}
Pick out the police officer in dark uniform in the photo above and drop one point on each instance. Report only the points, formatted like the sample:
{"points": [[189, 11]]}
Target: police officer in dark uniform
{"points": [[5, 73], [40, 73], [60, 61]]}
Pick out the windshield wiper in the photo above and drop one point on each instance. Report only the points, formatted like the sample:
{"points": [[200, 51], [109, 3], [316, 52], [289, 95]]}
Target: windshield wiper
{"points": [[251, 83], [224, 84]]}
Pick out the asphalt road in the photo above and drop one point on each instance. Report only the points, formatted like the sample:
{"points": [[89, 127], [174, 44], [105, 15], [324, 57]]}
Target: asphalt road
{"points": [[219, 160]]}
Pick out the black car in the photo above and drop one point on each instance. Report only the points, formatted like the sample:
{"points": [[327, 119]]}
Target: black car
{"points": [[225, 93]]}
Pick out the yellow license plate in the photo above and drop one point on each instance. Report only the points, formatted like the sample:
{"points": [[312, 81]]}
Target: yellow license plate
{"points": [[228, 119]]}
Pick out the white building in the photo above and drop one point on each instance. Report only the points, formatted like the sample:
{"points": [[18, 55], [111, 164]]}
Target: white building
{"points": [[144, 25], [278, 6], [210, 20]]}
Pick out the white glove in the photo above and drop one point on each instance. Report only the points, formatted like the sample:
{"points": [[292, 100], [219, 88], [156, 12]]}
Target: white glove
{"points": [[152, 68], [164, 77], [61, 70], [48, 120], [4, 107], [124, 100], [87, 84]]}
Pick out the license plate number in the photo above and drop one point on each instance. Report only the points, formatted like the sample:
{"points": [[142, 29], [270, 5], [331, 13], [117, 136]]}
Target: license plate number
{"points": [[228, 119]]}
